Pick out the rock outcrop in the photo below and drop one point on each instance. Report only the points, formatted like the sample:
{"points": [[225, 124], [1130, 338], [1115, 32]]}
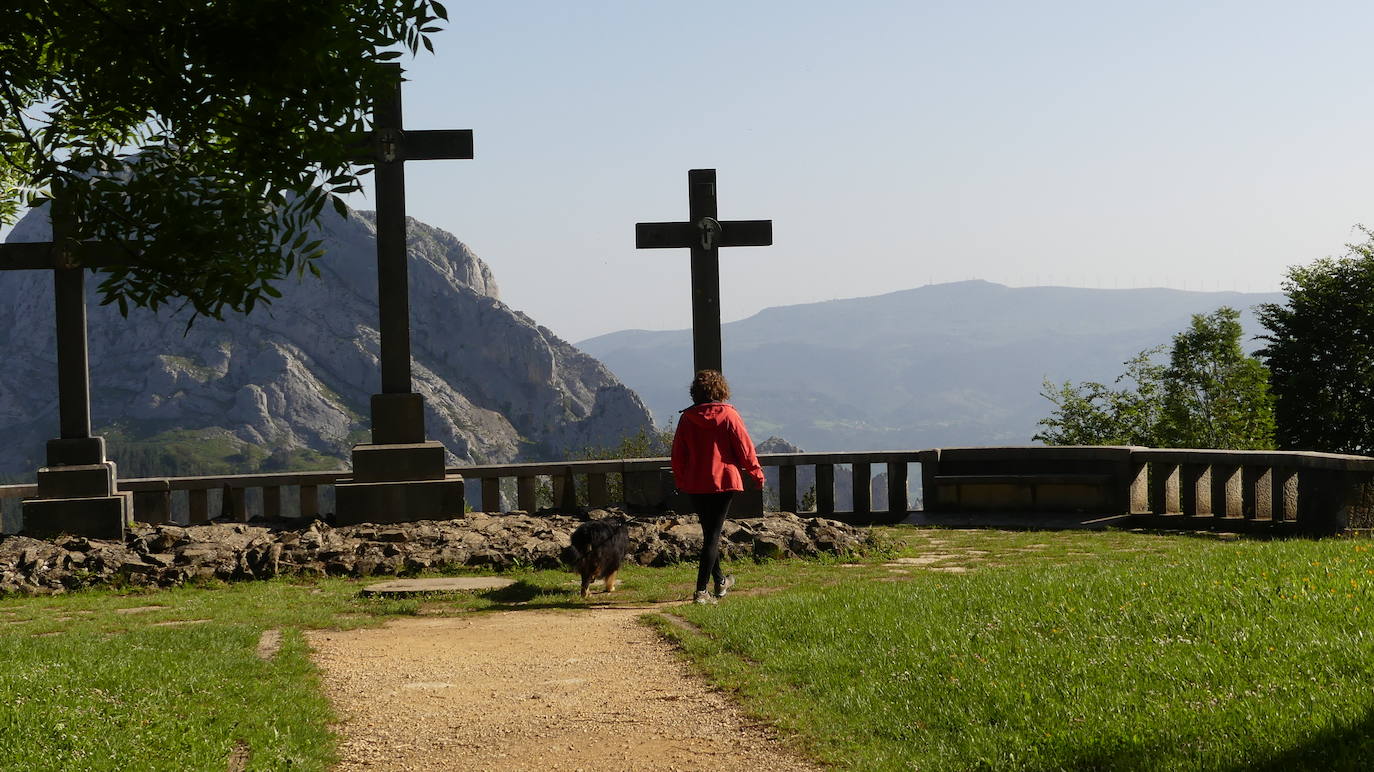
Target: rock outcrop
{"points": [[296, 376], [169, 555]]}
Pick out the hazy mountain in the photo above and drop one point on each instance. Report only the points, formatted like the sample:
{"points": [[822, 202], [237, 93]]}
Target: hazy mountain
{"points": [[940, 365], [289, 385]]}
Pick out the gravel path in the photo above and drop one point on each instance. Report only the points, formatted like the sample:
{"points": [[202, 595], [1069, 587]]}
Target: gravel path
{"points": [[587, 689]]}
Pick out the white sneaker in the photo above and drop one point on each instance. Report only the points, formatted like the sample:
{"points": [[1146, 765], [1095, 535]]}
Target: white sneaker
{"points": [[702, 597], [725, 585]]}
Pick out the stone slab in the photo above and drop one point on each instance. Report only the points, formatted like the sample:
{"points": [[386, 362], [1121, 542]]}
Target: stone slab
{"points": [[403, 587], [78, 450], [100, 517], [395, 463], [77, 480], [398, 502], [398, 418]]}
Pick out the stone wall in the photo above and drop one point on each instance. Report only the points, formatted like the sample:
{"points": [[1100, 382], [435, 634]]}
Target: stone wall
{"points": [[169, 555]]}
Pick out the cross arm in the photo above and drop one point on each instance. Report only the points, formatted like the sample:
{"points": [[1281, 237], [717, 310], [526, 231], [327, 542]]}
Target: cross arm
{"points": [[746, 233], [665, 235], [21, 256], [426, 145], [43, 254], [733, 233]]}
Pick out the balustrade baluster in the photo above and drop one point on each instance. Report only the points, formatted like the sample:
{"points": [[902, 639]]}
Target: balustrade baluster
{"points": [[1226, 494], [1202, 490], [896, 489], [310, 501], [271, 501], [598, 492], [565, 491], [1285, 493], [1139, 493], [234, 504], [154, 506], [491, 494], [1254, 491], [787, 488], [198, 502], [862, 477], [526, 493], [825, 489]]}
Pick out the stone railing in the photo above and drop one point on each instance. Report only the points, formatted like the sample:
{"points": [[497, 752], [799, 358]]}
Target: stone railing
{"points": [[1289, 490], [1317, 493], [642, 484], [1307, 492], [647, 484]]}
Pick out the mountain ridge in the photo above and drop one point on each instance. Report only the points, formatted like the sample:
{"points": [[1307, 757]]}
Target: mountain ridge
{"points": [[294, 379], [937, 365]]}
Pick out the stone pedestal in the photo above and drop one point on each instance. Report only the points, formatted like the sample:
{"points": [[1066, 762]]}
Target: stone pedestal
{"points": [[398, 483], [398, 419], [80, 499]]}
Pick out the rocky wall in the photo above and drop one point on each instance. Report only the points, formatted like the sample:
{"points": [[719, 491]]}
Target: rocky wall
{"points": [[169, 555]]}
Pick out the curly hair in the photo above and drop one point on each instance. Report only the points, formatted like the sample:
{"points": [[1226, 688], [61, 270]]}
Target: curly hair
{"points": [[709, 386]]}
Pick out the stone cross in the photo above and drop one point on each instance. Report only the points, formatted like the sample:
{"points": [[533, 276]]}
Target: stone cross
{"points": [[705, 235], [68, 260], [397, 412], [399, 476], [77, 489]]}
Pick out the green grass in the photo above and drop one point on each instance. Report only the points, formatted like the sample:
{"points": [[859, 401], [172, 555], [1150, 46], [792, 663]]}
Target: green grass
{"points": [[88, 686], [1117, 651], [1053, 651]]}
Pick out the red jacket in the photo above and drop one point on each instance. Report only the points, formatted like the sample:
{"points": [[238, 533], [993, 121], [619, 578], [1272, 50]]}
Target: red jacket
{"points": [[710, 448]]}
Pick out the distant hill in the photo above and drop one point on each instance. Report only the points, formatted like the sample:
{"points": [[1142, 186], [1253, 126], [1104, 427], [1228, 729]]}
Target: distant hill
{"points": [[940, 365], [288, 386]]}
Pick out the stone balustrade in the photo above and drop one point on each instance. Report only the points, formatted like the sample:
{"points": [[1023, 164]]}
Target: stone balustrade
{"points": [[1288, 491]]}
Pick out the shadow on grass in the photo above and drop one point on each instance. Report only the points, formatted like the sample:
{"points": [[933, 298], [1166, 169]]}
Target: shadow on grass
{"points": [[527, 596], [1108, 756], [521, 592], [1349, 746]]}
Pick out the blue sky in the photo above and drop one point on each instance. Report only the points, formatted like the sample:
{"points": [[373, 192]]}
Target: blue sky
{"points": [[1193, 145], [1200, 145]]}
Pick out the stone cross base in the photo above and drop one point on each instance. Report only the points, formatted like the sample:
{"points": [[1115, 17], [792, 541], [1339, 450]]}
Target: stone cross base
{"points": [[398, 502], [398, 483], [78, 499], [98, 517]]}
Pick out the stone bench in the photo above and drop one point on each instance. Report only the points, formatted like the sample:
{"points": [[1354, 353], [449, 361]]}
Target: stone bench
{"points": [[1028, 492], [1029, 479]]}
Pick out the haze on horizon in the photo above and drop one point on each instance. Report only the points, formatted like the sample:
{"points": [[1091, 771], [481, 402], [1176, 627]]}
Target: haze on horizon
{"points": [[1201, 146]]}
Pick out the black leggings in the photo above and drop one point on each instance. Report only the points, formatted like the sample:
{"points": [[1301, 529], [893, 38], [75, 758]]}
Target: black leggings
{"points": [[711, 508]]}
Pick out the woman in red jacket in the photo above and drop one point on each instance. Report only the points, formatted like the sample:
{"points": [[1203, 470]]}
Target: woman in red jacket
{"points": [[710, 448]]}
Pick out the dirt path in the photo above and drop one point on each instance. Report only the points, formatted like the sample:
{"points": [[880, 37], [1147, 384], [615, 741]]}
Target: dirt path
{"points": [[587, 689]]}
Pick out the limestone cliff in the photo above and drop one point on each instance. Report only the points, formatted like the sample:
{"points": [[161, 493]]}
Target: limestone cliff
{"points": [[289, 384]]}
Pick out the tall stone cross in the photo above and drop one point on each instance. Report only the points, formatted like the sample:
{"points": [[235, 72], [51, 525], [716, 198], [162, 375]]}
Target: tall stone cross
{"points": [[399, 476], [705, 235], [397, 412], [77, 489]]}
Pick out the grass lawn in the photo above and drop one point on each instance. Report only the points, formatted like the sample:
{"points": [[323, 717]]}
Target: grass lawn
{"points": [[993, 649], [1105, 651]]}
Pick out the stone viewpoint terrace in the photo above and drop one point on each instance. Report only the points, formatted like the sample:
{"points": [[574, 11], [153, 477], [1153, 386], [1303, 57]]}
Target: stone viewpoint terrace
{"points": [[1285, 492]]}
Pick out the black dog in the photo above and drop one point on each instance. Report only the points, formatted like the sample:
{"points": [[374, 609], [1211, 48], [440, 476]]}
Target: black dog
{"points": [[600, 545]]}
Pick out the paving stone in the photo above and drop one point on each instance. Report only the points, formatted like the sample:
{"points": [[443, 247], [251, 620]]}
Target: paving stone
{"points": [[404, 587]]}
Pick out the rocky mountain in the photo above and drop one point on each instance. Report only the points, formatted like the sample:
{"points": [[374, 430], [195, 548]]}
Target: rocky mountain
{"points": [[938, 366], [288, 386]]}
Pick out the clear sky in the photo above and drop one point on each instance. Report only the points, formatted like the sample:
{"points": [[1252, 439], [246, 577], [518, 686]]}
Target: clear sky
{"points": [[1199, 145]]}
